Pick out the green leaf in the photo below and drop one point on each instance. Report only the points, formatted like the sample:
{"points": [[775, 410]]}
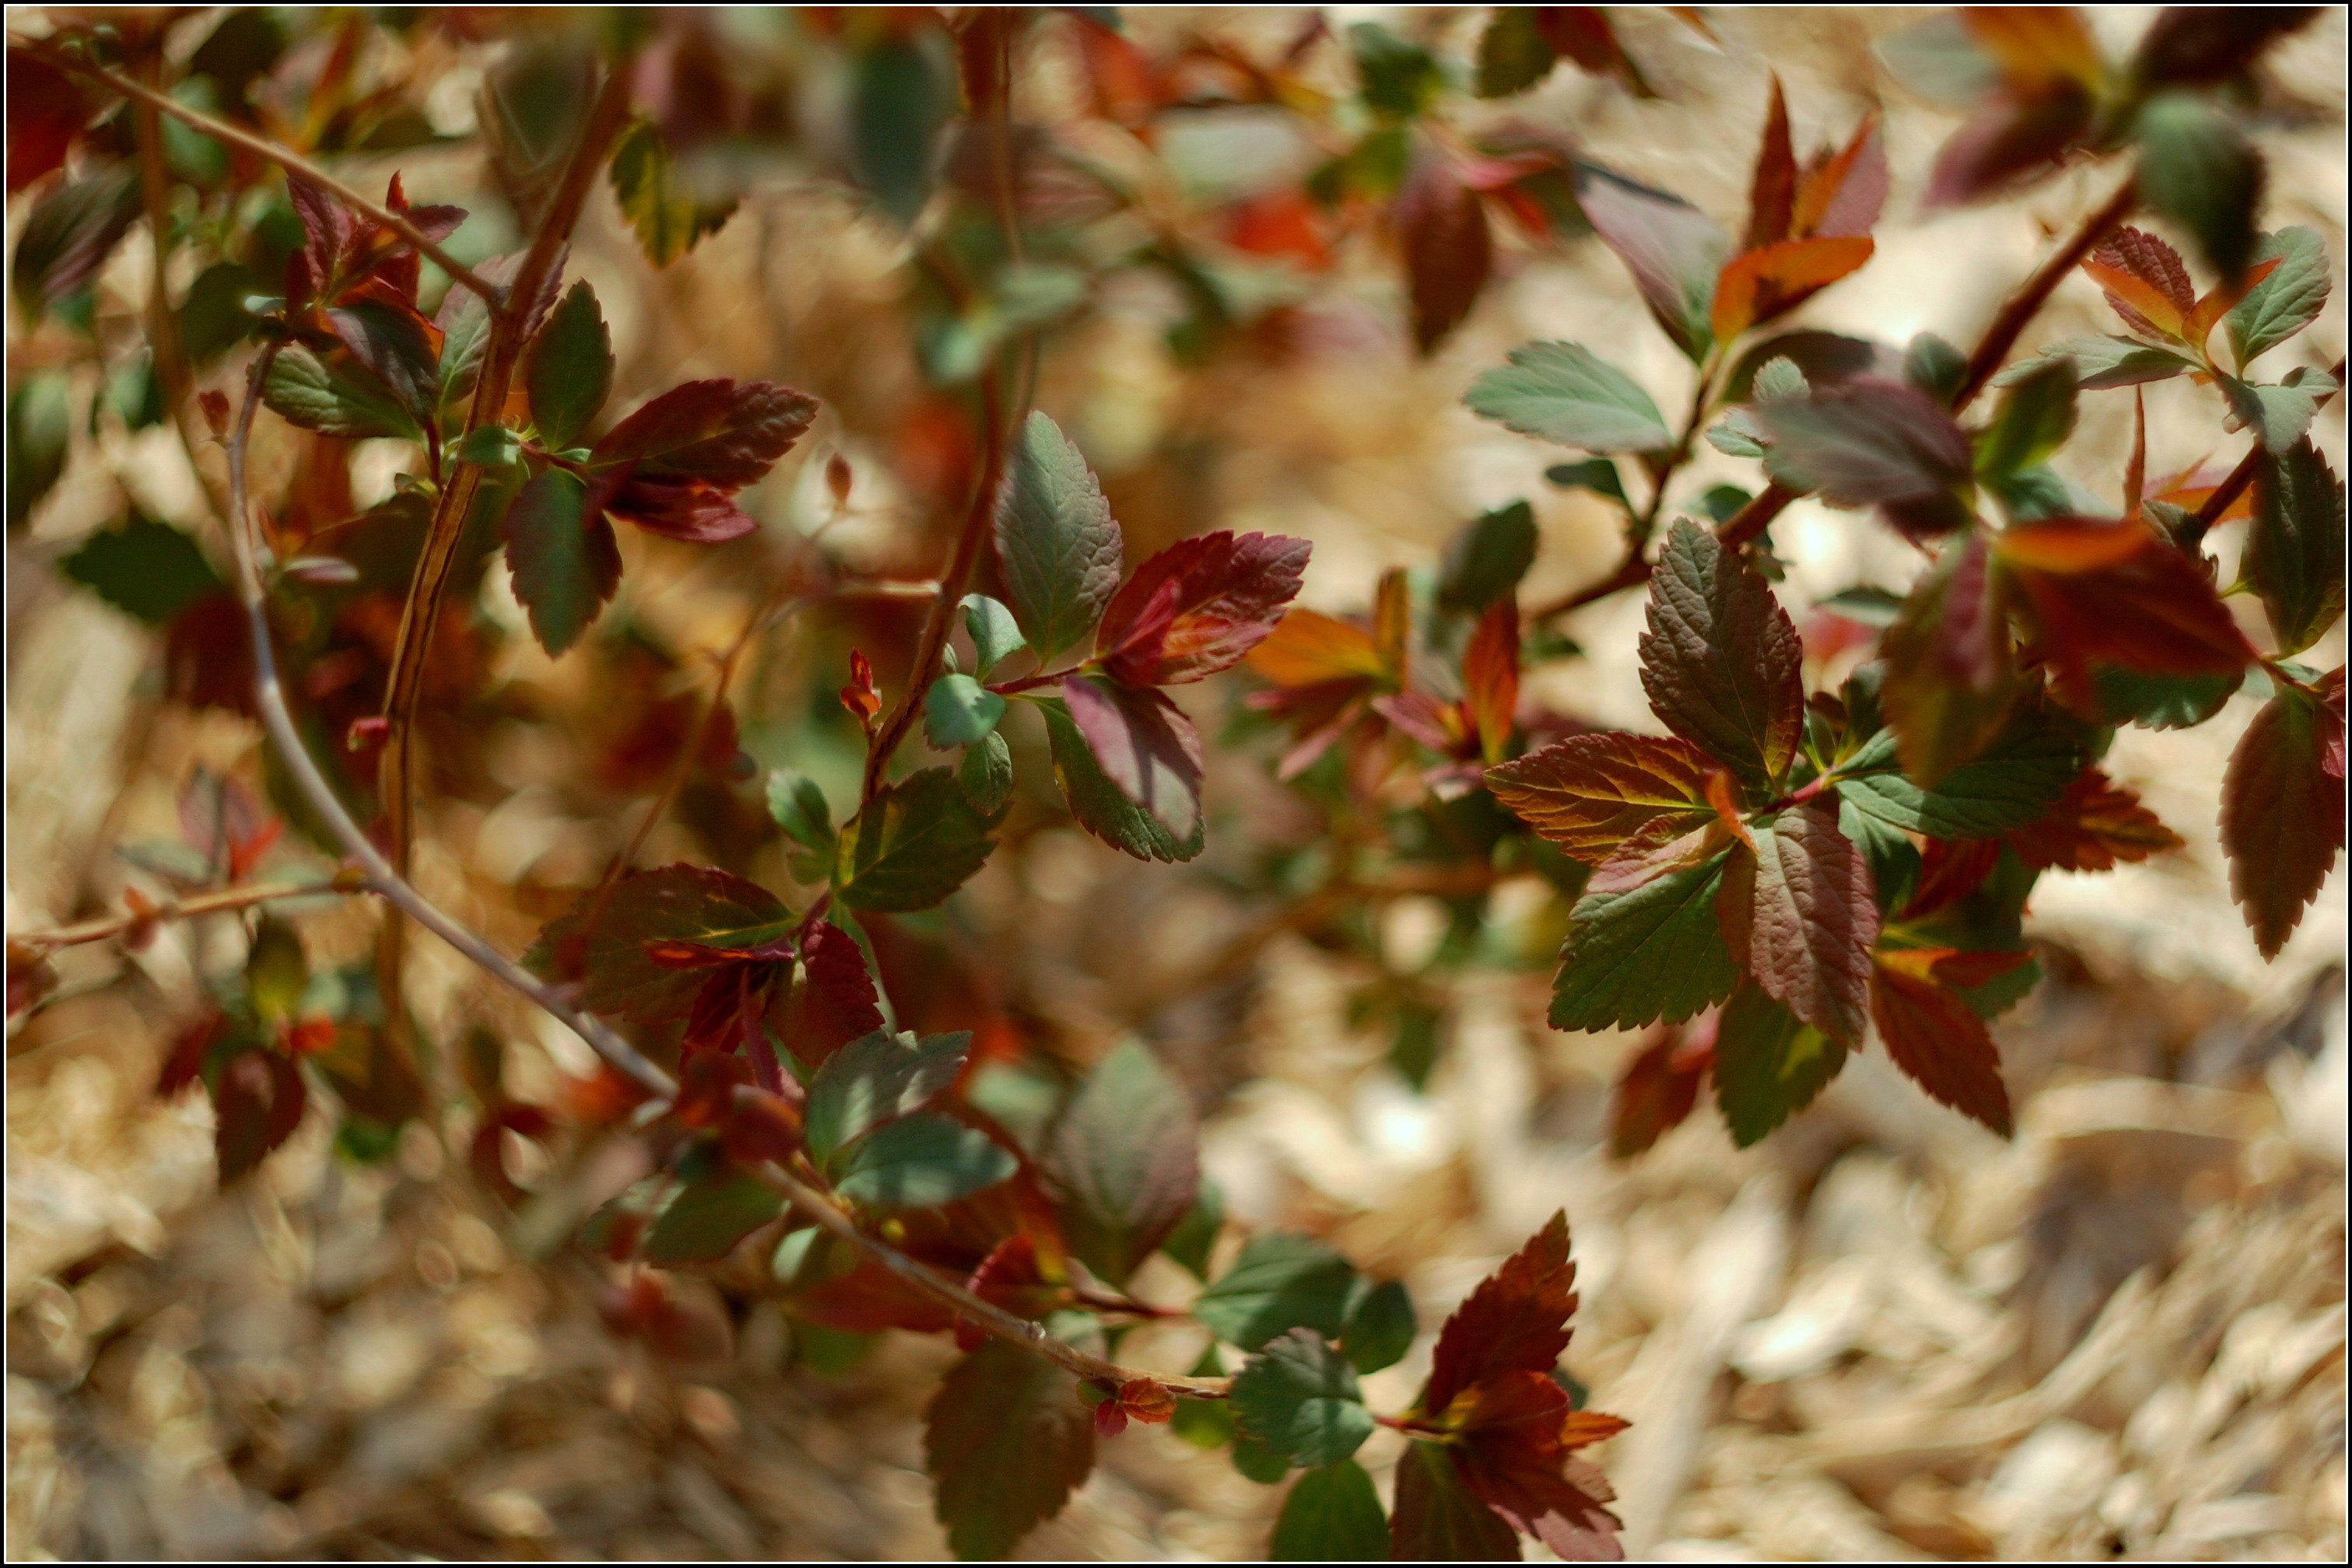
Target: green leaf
{"points": [[985, 774], [1598, 475], [2295, 550], [2279, 415], [920, 1162], [334, 399], [1566, 393], [2160, 701], [1513, 56], [40, 431], [2035, 416], [2285, 302], [1006, 1441], [569, 371], [1635, 958], [490, 447], [1487, 559], [1301, 1400], [1935, 366], [1059, 549], [798, 805], [876, 1078], [2196, 168], [566, 564], [2013, 784], [1333, 1515], [1768, 1066], [913, 843], [1379, 1327], [143, 568], [2104, 363], [958, 710], [899, 97], [277, 972], [1674, 251], [1101, 807], [1121, 1162], [706, 1220], [995, 634], [1278, 1283], [1400, 78], [670, 218]]}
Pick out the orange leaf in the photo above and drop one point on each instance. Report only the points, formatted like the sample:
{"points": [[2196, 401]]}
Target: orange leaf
{"points": [[1589, 794], [1490, 674], [2224, 298], [2036, 47], [2139, 302], [2096, 824], [2074, 544], [1517, 1321], [1841, 192], [1759, 285], [1582, 1427], [1943, 1047], [1308, 647]]}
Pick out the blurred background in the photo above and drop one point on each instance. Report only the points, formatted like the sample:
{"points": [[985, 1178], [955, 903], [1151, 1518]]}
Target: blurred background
{"points": [[1882, 1333]]}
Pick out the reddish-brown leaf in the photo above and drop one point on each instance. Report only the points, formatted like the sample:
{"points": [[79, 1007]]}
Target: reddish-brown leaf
{"points": [[1439, 1518], [2096, 824], [1933, 1037], [2009, 143], [692, 904], [1799, 913], [2145, 283], [726, 434], [1490, 676], [1664, 845], [1448, 251], [1517, 1321], [2134, 600], [1721, 662], [695, 511], [256, 1104], [1144, 744], [1006, 1441], [1673, 249], [1772, 192], [1513, 1454], [2283, 811], [1657, 1089], [1841, 192], [1199, 606], [1769, 282], [834, 1001], [1949, 870], [45, 112], [1589, 794]]}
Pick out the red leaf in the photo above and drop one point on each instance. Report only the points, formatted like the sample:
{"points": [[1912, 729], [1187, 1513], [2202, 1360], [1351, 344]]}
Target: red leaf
{"points": [[2096, 824], [1199, 606], [1490, 676], [1799, 915], [1006, 1441], [1515, 1322], [693, 510], [1439, 1518], [1666, 844], [1949, 870], [1589, 794], [185, 1063], [1933, 1037], [1515, 1459], [834, 1001], [1760, 284], [256, 1104], [1147, 1401], [45, 112], [726, 434], [1448, 250], [1144, 744], [867, 1300], [861, 697], [2283, 811], [2133, 601], [1673, 249]]}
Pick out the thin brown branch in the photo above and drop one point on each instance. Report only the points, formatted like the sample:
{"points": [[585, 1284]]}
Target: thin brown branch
{"points": [[212, 901], [171, 362], [260, 147], [820, 1207], [2225, 494], [2020, 307]]}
